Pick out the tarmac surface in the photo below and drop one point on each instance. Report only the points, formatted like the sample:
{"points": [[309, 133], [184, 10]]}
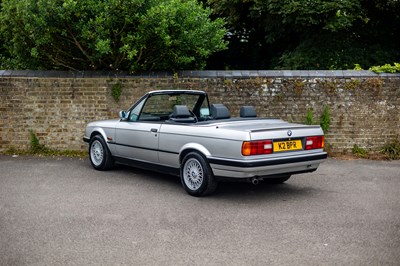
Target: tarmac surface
{"points": [[60, 211]]}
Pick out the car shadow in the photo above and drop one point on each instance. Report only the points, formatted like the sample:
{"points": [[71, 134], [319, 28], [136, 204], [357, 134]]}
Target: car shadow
{"points": [[264, 190], [290, 190], [147, 175]]}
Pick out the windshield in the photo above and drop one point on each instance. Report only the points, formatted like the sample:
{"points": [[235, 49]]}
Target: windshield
{"points": [[159, 107]]}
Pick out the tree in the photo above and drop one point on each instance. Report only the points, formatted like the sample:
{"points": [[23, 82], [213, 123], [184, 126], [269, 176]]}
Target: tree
{"points": [[311, 34], [3, 52], [364, 33], [109, 34]]}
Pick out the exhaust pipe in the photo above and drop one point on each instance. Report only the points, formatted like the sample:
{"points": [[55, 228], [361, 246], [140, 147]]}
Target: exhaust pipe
{"points": [[255, 181]]}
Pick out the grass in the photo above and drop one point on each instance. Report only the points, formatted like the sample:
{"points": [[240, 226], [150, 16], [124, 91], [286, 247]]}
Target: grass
{"points": [[359, 152], [41, 150], [392, 150], [47, 152]]}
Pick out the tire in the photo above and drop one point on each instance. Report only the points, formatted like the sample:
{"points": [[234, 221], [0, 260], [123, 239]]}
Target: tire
{"points": [[197, 177], [278, 180], [99, 154]]}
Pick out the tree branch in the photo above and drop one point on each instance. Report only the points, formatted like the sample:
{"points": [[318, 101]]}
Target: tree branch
{"points": [[76, 42]]}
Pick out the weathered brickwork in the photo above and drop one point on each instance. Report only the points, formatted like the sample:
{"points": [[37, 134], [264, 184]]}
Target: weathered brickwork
{"points": [[365, 109]]}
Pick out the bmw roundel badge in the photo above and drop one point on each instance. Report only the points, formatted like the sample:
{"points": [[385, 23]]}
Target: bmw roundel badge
{"points": [[289, 133]]}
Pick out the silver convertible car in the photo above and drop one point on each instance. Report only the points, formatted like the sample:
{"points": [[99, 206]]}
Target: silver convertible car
{"points": [[178, 132]]}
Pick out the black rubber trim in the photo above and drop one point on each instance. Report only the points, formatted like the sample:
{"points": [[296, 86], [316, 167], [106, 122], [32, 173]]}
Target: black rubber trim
{"points": [[142, 148], [265, 177], [148, 166], [86, 139], [268, 162]]}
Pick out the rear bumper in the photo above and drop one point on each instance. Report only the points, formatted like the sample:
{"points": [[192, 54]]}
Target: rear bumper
{"points": [[241, 169]]}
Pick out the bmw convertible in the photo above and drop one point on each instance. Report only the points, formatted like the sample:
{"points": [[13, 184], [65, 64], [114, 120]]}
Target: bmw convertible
{"points": [[179, 132]]}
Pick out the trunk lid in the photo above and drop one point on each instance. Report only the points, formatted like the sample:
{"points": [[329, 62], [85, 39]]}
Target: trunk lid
{"points": [[281, 136]]}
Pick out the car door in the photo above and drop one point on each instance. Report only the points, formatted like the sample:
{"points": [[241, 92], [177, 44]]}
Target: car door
{"points": [[137, 136], [138, 140]]}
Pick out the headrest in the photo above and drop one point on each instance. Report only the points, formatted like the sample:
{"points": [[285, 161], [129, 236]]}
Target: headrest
{"points": [[248, 111], [181, 111], [220, 111]]}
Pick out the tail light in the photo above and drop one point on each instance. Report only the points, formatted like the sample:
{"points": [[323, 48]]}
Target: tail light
{"points": [[316, 142], [256, 147]]}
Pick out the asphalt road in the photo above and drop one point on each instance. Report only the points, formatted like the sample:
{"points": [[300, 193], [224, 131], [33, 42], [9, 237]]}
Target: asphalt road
{"points": [[59, 211]]}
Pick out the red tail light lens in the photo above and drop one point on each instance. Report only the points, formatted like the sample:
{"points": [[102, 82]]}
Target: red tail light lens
{"points": [[256, 147], [316, 142]]}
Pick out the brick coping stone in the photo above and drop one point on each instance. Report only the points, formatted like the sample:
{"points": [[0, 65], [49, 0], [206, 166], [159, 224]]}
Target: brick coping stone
{"points": [[198, 74]]}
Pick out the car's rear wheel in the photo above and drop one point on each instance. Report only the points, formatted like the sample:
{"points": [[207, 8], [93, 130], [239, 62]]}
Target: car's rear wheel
{"points": [[99, 154], [196, 175], [278, 180]]}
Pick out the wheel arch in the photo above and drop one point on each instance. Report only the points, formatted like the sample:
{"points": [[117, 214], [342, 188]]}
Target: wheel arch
{"points": [[101, 132], [193, 147]]}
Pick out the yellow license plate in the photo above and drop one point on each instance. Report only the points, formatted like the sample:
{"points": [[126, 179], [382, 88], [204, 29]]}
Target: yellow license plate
{"points": [[290, 145]]}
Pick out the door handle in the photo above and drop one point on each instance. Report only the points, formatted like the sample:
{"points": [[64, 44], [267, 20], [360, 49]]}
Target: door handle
{"points": [[154, 130]]}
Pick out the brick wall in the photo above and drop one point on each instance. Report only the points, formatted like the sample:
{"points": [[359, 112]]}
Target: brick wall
{"points": [[365, 107]]}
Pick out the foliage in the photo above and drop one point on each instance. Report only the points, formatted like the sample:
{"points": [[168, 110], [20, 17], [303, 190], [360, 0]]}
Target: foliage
{"points": [[47, 152], [116, 91], [312, 34], [180, 34], [387, 68], [35, 146], [320, 52], [309, 117], [359, 152], [109, 34], [39, 149], [325, 119], [357, 67], [392, 150]]}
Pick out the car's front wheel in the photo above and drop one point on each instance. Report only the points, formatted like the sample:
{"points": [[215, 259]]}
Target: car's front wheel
{"points": [[196, 175], [99, 154]]}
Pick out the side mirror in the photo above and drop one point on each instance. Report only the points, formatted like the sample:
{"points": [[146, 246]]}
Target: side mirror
{"points": [[123, 115]]}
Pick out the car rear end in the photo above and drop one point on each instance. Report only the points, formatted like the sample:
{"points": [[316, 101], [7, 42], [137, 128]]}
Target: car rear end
{"points": [[273, 148]]}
